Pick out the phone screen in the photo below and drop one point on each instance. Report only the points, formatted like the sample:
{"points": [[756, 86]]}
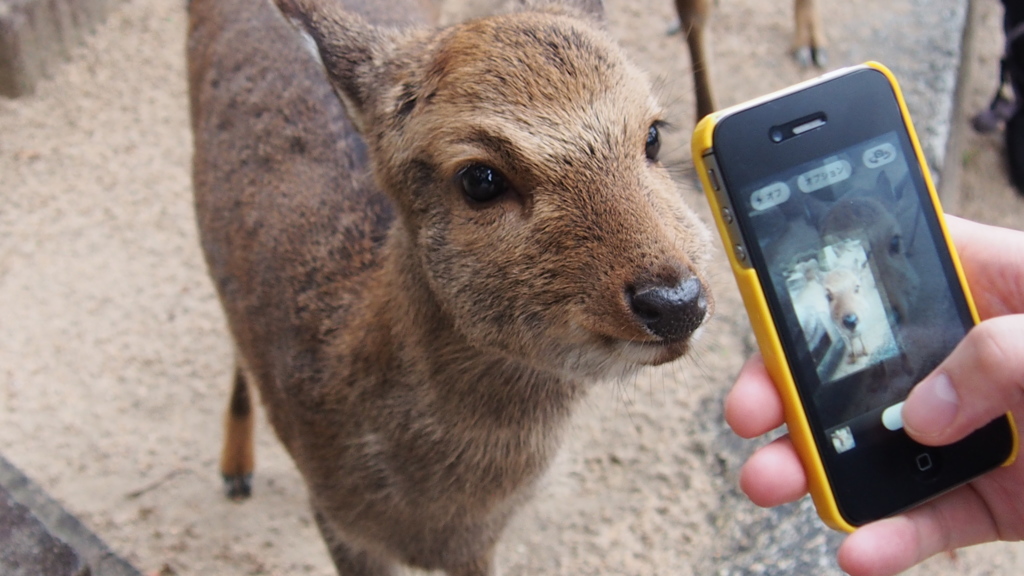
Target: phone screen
{"points": [[846, 246], [840, 227]]}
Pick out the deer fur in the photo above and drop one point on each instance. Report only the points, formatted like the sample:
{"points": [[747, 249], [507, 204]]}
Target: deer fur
{"points": [[418, 344], [808, 46]]}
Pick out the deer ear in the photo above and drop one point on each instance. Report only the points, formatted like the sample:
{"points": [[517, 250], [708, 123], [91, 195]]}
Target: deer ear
{"points": [[353, 52], [883, 187], [593, 9]]}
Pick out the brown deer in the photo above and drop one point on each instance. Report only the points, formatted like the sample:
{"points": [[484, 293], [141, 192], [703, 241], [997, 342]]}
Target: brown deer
{"points": [[873, 216], [809, 44], [847, 308], [428, 243]]}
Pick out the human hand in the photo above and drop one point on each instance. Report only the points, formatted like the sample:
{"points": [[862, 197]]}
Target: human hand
{"points": [[981, 379]]}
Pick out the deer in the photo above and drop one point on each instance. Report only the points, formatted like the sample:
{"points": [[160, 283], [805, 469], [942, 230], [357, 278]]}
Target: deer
{"points": [[428, 244], [872, 216], [809, 44], [847, 309]]}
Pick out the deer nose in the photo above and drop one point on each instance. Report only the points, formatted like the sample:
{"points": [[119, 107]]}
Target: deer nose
{"points": [[670, 312], [850, 321]]}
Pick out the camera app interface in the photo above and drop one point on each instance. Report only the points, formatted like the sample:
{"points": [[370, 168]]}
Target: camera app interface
{"points": [[857, 274]]}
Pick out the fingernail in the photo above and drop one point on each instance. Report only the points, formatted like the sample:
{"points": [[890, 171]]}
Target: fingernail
{"points": [[931, 407]]}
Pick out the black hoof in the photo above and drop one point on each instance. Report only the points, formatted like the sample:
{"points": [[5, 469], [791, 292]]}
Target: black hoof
{"points": [[238, 487], [807, 56], [820, 57]]}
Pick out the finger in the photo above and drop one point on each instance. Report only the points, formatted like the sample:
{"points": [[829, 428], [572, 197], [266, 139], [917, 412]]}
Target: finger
{"points": [[982, 379], [773, 475], [887, 547], [753, 406], [993, 261]]}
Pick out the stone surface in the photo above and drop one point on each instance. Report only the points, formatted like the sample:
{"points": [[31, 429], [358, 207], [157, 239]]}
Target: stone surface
{"points": [[28, 549], [39, 538]]}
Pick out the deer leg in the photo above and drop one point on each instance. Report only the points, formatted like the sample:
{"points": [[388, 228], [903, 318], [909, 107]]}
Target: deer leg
{"points": [[693, 15], [809, 42], [347, 561], [236, 459]]}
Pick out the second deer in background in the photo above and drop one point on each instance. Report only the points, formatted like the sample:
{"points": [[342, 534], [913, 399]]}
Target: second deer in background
{"points": [[808, 44]]}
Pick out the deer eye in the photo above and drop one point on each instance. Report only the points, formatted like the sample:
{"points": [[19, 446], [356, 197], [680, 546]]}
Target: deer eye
{"points": [[653, 143], [896, 244], [482, 183]]}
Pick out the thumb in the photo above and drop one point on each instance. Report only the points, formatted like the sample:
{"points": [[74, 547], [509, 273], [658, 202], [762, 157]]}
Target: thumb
{"points": [[982, 379]]}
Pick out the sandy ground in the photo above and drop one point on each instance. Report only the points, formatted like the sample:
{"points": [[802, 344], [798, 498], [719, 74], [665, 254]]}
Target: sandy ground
{"points": [[115, 362]]}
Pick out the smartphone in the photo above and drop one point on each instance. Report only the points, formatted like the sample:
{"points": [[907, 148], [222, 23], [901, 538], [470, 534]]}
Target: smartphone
{"points": [[854, 291]]}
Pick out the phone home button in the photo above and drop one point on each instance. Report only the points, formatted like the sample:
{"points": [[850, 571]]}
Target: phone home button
{"points": [[926, 465], [924, 462]]}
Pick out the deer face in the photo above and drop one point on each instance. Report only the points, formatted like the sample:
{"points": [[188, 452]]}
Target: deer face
{"points": [[522, 154], [873, 221]]}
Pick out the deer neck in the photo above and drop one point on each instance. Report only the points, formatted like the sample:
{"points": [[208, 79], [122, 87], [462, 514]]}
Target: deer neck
{"points": [[432, 357]]}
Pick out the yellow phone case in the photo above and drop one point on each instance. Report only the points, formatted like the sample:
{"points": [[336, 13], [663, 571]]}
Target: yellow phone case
{"points": [[757, 306]]}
